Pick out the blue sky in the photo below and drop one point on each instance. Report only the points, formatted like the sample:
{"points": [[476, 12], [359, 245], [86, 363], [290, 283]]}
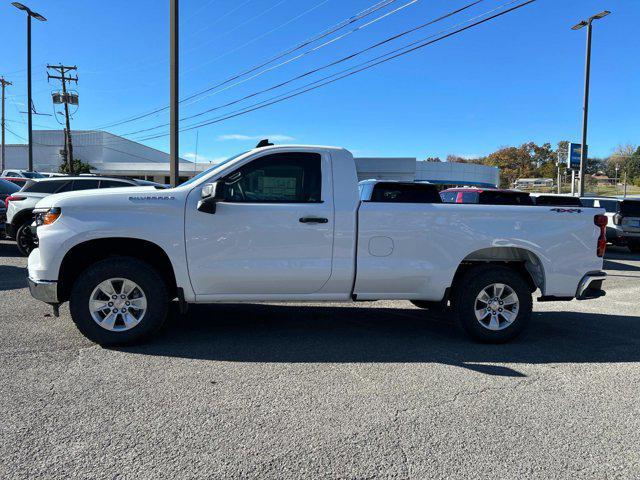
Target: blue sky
{"points": [[518, 78]]}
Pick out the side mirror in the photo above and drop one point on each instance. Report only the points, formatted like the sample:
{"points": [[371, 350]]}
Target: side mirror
{"points": [[211, 193]]}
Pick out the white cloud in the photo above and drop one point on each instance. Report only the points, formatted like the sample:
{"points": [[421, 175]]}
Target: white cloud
{"points": [[239, 136], [191, 156]]}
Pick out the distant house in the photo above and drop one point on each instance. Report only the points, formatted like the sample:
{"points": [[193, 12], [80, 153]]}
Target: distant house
{"points": [[529, 183], [603, 180]]}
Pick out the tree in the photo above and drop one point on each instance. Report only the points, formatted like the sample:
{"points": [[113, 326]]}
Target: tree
{"points": [[78, 167], [627, 159], [513, 162], [432, 159]]}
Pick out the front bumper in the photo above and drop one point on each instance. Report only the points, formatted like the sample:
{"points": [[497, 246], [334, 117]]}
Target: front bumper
{"points": [[44, 290], [591, 286]]}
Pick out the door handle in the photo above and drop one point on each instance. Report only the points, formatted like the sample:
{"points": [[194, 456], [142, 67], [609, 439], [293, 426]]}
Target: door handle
{"points": [[314, 220]]}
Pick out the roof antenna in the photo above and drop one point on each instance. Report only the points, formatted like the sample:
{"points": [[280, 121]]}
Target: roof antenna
{"points": [[264, 143]]}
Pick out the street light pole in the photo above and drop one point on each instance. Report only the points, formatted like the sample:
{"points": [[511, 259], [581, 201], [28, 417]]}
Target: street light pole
{"points": [[37, 16], [585, 109], [174, 168]]}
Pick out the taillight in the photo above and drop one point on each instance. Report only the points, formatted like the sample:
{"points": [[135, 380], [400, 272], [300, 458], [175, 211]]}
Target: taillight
{"points": [[601, 221], [13, 198]]}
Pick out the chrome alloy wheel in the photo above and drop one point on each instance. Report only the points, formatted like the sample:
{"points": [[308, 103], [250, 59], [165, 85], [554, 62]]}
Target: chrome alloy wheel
{"points": [[496, 306], [117, 304]]}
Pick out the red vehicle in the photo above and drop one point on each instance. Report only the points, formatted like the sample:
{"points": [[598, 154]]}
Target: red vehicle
{"points": [[485, 196]]}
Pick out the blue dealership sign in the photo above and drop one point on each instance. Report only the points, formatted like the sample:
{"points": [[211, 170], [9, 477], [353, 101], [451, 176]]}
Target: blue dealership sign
{"points": [[573, 159]]}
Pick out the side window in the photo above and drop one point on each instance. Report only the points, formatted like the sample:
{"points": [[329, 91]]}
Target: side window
{"points": [[85, 184], [469, 197], [46, 187], [113, 184], [278, 178]]}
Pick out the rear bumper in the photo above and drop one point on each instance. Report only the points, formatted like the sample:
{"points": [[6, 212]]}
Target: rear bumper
{"points": [[44, 290], [591, 286]]}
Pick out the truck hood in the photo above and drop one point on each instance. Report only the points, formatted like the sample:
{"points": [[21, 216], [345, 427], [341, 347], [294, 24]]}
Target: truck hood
{"points": [[79, 197]]}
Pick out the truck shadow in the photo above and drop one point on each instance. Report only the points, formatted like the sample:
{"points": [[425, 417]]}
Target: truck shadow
{"points": [[12, 278], [310, 334]]}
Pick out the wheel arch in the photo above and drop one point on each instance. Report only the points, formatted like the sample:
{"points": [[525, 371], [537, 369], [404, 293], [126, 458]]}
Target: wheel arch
{"points": [[522, 260], [86, 253], [19, 218]]}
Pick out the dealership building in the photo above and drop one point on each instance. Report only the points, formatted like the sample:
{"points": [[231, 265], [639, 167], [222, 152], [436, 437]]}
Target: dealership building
{"points": [[108, 154], [115, 156]]}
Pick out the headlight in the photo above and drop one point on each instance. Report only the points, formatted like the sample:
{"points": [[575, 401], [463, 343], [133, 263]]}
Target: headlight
{"points": [[48, 217]]}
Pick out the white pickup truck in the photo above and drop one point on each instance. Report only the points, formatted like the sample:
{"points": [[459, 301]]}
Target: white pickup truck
{"points": [[287, 223]]}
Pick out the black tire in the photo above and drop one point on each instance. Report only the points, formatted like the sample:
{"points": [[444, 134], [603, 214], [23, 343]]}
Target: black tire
{"points": [[141, 273], [472, 283], [24, 239]]}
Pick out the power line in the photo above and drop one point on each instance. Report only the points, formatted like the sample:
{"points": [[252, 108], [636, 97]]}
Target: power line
{"points": [[354, 18], [323, 67], [259, 37], [240, 25], [422, 45], [312, 50]]}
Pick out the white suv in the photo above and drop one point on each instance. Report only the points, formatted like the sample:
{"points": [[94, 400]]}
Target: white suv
{"points": [[623, 227], [21, 174], [20, 204]]}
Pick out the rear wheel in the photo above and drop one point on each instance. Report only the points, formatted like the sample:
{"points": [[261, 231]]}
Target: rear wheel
{"points": [[118, 301], [24, 239], [493, 303]]}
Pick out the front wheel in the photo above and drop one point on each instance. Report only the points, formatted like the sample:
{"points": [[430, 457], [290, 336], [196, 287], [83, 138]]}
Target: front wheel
{"points": [[118, 301], [493, 303], [24, 239]]}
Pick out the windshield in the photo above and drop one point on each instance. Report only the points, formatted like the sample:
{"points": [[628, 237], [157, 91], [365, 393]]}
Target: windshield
{"points": [[6, 187], [211, 169]]}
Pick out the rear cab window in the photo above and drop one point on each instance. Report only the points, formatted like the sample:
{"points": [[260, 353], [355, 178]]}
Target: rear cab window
{"points": [[551, 200], [405, 193], [505, 198]]}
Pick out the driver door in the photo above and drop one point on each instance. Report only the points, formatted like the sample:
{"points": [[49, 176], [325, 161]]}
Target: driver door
{"points": [[271, 234]]}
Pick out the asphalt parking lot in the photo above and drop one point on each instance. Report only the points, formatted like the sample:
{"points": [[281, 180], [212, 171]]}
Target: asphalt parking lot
{"points": [[375, 390]]}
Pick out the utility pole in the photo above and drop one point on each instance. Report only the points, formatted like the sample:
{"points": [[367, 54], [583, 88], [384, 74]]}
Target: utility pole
{"points": [[64, 78], [4, 84], [174, 142]]}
